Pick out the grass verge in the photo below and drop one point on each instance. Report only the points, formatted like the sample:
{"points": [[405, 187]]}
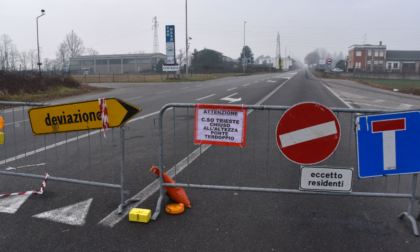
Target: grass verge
{"points": [[50, 94]]}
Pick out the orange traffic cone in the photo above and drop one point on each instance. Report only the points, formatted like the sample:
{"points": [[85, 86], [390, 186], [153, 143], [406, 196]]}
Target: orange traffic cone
{"points": [[177, 194]]}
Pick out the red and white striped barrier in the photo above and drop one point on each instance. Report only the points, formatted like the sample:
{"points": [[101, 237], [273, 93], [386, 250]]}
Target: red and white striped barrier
{"points": [[41, 191], [104, 114]]}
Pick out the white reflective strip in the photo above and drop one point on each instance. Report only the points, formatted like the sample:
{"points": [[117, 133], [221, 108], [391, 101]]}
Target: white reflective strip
{"points": [[390, 159], [307, 134]]}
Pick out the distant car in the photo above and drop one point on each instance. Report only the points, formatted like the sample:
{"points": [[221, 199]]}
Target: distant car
{"points": [[337, 70]]}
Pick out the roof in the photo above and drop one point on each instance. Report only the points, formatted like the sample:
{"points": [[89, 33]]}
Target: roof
{"points": [[211, 50], [402, 55], [133, 55], [367, 46]]}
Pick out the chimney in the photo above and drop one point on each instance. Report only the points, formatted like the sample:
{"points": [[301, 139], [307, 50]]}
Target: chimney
{"points": [[380, 42]]}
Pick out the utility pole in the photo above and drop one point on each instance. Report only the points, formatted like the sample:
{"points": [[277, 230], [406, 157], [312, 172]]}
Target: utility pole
{"points": [[37, 38], [243, 61], [155, 40], [186, 40], [278, 50]]}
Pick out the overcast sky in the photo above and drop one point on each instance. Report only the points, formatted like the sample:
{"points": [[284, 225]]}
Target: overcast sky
{"points": [[115, 27]]}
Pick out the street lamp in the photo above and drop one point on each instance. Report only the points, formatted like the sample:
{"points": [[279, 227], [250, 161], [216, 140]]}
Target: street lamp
{"points": [[243, 59], [186, 40], [37, 38]]}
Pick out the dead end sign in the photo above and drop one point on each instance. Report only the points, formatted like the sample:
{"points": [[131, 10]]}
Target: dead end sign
{"points": [[78, 116], [220, 124], [308, 133]]}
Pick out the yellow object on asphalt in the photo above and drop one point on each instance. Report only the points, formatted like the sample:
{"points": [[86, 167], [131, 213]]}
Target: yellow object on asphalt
{"points": [[1, 137], [175, 208], [140, 215]]}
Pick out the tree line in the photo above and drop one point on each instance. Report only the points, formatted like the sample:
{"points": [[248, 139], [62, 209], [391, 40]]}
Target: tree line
{"points": [[11, 59], [322, 53]]}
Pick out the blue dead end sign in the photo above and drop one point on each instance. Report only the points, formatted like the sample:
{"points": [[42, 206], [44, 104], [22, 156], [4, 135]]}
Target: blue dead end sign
{"points": [[388, 144]]}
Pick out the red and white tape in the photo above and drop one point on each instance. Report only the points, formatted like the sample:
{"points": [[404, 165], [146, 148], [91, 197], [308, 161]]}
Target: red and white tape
{"points": [[104, 114], [41, 191]]}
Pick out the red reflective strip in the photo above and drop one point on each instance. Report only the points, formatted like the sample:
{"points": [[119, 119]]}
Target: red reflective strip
{"points": [[388, 125]]}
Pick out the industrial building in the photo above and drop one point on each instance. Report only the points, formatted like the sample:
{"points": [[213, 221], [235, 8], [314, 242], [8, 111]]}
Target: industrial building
{"points": [[115, 63]]}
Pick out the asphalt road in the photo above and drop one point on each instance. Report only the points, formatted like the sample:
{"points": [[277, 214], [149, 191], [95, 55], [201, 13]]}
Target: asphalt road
{"points": [[218, 220]]}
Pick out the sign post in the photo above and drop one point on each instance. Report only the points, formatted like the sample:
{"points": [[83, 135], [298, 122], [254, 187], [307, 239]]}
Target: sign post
{"points": [[308, 133], [170, 50], [220, 125], [387, 144], [79, 116]]}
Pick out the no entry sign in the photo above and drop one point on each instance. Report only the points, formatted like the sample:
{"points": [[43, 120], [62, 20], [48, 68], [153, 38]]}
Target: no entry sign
{"points": [[308, 133], [220, 125]]}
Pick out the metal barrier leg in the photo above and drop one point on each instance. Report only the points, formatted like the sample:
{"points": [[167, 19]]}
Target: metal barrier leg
{"points": [[409, 212], [161, 189], [124, 202]]}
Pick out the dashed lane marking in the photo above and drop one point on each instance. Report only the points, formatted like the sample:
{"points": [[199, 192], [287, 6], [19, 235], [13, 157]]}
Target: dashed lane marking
{"points": [[204, 97], [133, 98], [231, 89]]}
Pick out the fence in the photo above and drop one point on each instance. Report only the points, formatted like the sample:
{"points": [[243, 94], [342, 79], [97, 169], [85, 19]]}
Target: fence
{"points": [[80, 157], [377, 75], [259, 167]]}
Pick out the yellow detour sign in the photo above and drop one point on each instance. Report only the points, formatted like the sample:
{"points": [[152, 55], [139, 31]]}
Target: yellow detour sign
{"points": [[79, 116]]}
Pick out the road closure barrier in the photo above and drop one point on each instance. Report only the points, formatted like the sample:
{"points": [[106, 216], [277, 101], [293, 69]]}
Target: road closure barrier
{"points": [[303, 149], [66, 142]]}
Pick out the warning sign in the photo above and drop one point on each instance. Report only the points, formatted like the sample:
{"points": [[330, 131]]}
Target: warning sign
{"points": [[220, 125]]}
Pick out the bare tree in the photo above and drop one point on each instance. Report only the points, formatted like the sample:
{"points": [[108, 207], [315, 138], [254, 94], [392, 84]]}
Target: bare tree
{"points": [[91, 51], [61, 56], [312, 58], [7, 44], [180, 57], [13, 57], [74, 45], [47, 64], [23, 58], [32, 58], [2, 60], [322, 52]]}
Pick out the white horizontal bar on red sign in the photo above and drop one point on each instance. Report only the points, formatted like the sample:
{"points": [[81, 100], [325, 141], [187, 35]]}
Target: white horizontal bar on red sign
{"points": [[308, 134]]}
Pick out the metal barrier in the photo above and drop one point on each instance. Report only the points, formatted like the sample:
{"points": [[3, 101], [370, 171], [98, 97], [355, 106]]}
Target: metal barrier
{"points": [[235, 176], [73, 157]]}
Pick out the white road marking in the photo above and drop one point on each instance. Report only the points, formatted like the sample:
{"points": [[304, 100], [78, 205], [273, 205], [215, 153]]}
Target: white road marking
{"points": [[16, 122], [229, 99], [167, 91], [199, 85], [231, 89], [19, 167], [12, 203], [271, 81], [336, 95], [246, 84], [68, 141], [72, 215], [133, 98], [113, 218], [184, 88], [204, 97], [308, 134], [255, 81]]}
